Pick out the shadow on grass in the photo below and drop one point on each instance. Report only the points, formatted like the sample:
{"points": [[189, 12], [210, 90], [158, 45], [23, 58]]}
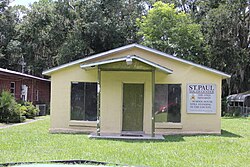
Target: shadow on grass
{"points": [[239, 117], [178, 138], [174, 138], [225, 133], [167, 138]]}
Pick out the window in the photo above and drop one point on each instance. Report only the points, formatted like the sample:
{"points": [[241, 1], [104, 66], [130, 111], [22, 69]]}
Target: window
{"points": [[24, 92], [167, 104], [12, 87], [84, 101]]}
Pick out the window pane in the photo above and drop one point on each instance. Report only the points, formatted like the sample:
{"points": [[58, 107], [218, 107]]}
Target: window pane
{"points": [[174, 103], [84, 101], [12, 87], [91, 102], [12, 90], [167, 102], [161, 103]]}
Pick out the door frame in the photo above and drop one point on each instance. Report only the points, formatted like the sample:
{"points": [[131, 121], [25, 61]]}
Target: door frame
{"points": [[142, 83]]}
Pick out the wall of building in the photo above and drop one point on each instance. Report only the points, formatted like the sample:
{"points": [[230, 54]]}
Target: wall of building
{"points": [[112, 99], [34, 85], [60, 99], [186, 74], [5, 84], [182, 74], [192, 122]]}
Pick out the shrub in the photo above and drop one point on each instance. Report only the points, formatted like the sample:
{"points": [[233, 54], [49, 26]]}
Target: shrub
{"points": [[12, 112], [224, 107], [18, 114], [237, 112], [233, 112], [31, 111], [23, 109], [9, 109]]}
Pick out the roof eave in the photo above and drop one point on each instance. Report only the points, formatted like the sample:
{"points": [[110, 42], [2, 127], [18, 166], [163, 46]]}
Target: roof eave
{"points": [[50, 71], [22, 74], [224, 75], [164, 69]]}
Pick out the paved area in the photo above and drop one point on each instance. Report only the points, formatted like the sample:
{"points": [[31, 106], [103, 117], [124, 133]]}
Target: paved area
{"points": [[118, 136], [2, 126]]}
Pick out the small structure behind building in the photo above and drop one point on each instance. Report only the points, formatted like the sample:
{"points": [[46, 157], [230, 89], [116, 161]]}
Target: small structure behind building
{"points": [[239, 103], [26, 87]]}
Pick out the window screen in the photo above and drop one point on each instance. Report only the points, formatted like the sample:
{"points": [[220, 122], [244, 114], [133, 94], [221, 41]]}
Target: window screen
{"points": [[83, 101], [167, 104]]}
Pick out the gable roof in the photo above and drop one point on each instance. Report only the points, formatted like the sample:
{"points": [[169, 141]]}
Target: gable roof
{"points": [[128, 58], [48, 72], [22, 74]]}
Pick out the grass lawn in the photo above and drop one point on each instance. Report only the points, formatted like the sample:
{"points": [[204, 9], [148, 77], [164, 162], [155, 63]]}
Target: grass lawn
{"points": [[32, 142], [1, 124]]}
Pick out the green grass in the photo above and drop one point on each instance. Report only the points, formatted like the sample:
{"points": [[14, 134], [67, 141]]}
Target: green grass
{"points": [[32, 142]]}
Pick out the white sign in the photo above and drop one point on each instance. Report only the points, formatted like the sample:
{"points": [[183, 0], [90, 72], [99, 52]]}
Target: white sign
{"points": [[201, 98]]}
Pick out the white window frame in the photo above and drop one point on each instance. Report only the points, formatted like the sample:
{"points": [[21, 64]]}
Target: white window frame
{"points": [[84, 99]]}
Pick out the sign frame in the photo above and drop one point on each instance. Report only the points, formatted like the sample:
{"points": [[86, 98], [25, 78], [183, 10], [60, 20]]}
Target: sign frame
{"points": [[201, 98]]}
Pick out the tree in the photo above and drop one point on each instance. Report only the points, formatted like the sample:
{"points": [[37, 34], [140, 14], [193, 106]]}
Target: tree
{"points": [[227, 34], [41, 35], [56, 32], [8, 21], [173, 32], [98, 26]]}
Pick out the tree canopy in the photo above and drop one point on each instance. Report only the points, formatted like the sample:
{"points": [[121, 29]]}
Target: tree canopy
{"points": [[171, 31]]}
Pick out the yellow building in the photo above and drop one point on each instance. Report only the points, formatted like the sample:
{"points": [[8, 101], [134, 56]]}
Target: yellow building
{"points": [[135, 90]]}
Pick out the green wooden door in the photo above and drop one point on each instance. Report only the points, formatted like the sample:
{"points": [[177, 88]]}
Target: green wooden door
{"points": [[133, 103]]}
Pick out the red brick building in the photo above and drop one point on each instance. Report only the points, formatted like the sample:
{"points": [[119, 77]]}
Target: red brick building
{"points": [[25, 87]]}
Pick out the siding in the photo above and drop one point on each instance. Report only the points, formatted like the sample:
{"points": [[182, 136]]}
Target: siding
{"points": [[34, 85]]}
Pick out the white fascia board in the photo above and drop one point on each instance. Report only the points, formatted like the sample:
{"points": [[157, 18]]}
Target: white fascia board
{"points": [[124, 59], [22, 74], [182, 60], [153, 64], [102, 62], [49, 71]]}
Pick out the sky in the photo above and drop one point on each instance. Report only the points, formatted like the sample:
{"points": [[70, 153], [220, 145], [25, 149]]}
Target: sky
{"points": [[22, 2]]}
